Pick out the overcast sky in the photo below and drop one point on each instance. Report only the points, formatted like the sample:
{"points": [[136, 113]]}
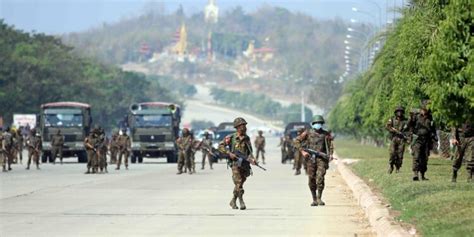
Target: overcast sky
{"points": [[63, 16]]}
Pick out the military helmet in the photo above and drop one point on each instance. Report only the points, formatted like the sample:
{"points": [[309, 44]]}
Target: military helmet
{"points": [[318, 119], [185, 131], [400, 108], [239, 121], [260, 131]]}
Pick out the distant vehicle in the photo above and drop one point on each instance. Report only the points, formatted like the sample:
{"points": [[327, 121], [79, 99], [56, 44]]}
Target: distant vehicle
{"points": [[154, 128], [73, 119], [223, 129]]}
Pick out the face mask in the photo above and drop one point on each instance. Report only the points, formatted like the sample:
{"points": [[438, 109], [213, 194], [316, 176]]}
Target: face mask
{"points": [[317, 126]]}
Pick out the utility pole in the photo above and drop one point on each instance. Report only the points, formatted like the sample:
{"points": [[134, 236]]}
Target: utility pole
{"points": [[303, 115]]}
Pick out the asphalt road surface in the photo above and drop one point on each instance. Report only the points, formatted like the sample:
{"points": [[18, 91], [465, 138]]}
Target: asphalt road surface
{"points": [[151, 200]]}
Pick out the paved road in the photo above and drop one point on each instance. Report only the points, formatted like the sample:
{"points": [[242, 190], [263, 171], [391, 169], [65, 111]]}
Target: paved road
{"points": [[151, 200]]}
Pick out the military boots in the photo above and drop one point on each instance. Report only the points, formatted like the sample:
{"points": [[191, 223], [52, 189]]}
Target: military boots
{"points": [[318, 199], [241, 200], [415, 176], [233, 201], [390, 169], [469, 177], [315, 197], [455, 176], [423, 176], [88, 171]]}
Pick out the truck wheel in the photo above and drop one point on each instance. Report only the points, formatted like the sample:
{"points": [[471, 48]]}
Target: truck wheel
{"points": [[134, 159], [171, 157], [82, 157]]}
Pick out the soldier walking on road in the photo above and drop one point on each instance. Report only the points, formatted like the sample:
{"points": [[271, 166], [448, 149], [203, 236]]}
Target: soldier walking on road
{"points": [[398, 127], [8, 147], [238, 142], [423, 131], [184, 145], [34, 144], [19, 144], [57, 143], [319, 140], [260, 145], [299, 160], [463, 138], [113, 148], [206, 147], [102, 148], [125, 145], [3, 155], [90, 143]]}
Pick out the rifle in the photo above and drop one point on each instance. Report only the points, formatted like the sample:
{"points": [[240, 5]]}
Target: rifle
{"points": [[242, 158], [214, 155], [315, 154]]}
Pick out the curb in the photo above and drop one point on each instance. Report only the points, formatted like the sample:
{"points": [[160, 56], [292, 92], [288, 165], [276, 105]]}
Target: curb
{"points": [[376, 212]]}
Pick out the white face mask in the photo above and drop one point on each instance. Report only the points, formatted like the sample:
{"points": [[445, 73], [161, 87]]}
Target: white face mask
{"points": [[317, 126]]}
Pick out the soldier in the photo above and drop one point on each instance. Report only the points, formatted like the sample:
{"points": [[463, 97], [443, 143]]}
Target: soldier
{"points": [[423, 131], [238, 142], [260, 145], [90, 143], [297, 155], [206, 148], [463, 138], [19, 142], [282, 146], [3, 156], [102, 148], [57, 143], [184, 145], [34, 145], [113, 148], [319, 140], [8, 147], [125, 145], [398, 127]]}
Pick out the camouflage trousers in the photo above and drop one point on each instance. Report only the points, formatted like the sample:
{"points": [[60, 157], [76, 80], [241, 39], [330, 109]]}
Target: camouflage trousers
{"points": [[209, 158], [239, 176], [260, 151], [396, 150], [3, 160], [113, 156], [420, 151], [444, 144], [33, 155], [20, 151], [316, 172], [298, 160], [103, 159], [123, 154], [465, 151], [91, 159], [55, 151], [184, 160]]}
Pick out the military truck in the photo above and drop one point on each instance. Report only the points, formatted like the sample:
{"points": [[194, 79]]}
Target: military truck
{"points": [[73, 119], [154, 128]]}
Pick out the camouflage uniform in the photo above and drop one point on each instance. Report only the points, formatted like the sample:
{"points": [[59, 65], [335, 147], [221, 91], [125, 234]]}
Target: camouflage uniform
{"points": [[90, 143], [57, 142], [283, 145], [233, 143], [19, 145], [34, 144], [321, 141], [8, 147], [423, 131], [398, 127], [125, 145], [3, 157], [465, 142], [297, 155], [260, 146], [102, 148], [185, 145], [206, 146], [113, 148]]}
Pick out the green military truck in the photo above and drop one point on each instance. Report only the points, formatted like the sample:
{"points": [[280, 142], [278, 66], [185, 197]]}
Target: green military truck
{"points": [[73, 119], [154, 128]]}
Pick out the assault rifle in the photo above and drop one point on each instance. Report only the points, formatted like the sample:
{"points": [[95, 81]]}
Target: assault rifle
{"points": [[214, 155], [315, 154], [242, 158]]}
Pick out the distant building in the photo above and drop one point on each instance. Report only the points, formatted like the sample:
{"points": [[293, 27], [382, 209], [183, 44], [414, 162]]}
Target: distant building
{"points": [[211, 12]]}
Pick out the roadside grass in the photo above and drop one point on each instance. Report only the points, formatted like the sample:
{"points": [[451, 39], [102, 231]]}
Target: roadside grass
{"points": [[436, 207]]}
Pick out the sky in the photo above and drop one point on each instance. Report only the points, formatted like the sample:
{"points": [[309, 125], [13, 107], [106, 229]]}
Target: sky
{"points": [[65, 16]]}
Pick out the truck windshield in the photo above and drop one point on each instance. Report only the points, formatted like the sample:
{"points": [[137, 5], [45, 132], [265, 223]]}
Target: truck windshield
{"points": [[155, 120], [63, 120]]}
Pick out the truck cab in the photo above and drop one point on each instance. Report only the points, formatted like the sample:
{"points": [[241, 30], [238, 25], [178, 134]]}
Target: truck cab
{"points": [[73, 119], [154, 128]]}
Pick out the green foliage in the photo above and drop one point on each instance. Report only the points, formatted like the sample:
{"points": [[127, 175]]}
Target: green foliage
{"points": [[180, 88], [260, 104], [426, 57], [437, 207], [36, 69]]}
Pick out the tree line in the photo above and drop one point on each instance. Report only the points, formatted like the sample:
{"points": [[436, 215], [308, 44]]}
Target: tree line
{"points": [[38, 68], [427, 60]]}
